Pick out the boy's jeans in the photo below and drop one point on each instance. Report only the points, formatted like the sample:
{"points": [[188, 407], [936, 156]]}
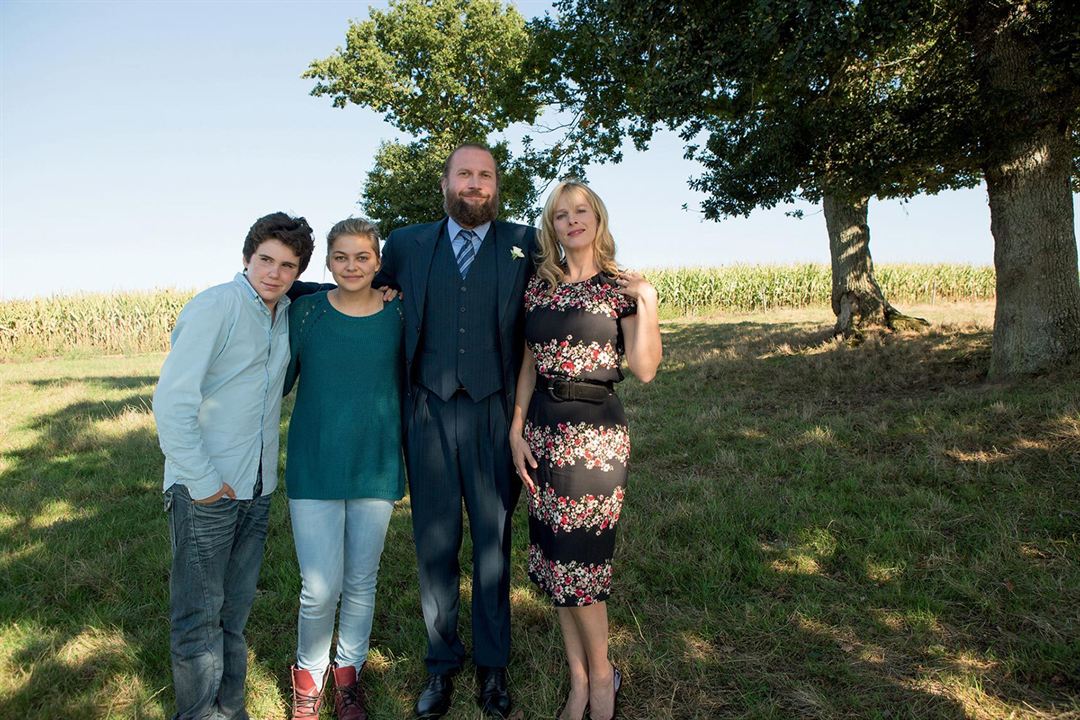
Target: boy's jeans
{"points": [[217, 551]]}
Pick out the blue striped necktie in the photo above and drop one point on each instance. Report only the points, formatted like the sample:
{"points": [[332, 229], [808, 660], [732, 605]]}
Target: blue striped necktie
{"points": [[466, 253]]}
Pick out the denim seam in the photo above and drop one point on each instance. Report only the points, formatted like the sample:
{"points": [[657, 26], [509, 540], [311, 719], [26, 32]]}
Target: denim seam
{"points": [[218, 664]]}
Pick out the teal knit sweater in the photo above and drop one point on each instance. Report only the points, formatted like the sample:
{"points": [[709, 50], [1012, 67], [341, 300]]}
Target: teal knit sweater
{"points": [[345, 433]]}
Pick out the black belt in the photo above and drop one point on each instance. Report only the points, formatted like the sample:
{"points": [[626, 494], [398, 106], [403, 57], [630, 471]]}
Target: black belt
{"points": [[562, 389]]}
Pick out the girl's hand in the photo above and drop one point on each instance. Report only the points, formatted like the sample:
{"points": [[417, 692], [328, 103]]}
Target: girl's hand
{"points": [[523, 460]]}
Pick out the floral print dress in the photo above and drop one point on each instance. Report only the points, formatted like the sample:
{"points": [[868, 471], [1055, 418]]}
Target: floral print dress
{"points": [[581, 447]]}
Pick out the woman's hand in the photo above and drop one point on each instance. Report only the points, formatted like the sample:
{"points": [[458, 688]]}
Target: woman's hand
{"points": [[523, 460], [519, 449], [641, 330], [634, 285], [226, 489]]}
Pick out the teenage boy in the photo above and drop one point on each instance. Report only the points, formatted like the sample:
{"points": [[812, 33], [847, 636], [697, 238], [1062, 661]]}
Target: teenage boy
{"points": [[218, 408]]}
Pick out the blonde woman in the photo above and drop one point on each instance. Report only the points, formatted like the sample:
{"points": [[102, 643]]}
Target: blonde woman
{"points": [[569, 436]]}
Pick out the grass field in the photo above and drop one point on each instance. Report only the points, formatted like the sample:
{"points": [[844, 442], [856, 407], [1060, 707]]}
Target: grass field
{"points": [[812, 530]]}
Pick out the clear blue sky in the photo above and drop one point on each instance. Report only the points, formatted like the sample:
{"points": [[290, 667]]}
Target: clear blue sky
{"points": [[139, 140]]}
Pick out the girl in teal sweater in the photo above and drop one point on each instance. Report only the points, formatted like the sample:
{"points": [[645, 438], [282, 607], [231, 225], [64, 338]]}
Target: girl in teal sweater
{"points": [[344, 467]]}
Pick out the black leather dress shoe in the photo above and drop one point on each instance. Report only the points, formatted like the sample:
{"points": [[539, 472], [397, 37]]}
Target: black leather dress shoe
{"points": [[434, 700], [494, 697]]}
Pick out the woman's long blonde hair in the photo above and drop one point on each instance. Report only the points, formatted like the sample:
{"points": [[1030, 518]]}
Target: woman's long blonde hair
{"points": [[549, 264]]}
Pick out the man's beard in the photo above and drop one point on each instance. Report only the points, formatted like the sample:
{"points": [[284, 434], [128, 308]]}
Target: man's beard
{"points": [[469, 215]]}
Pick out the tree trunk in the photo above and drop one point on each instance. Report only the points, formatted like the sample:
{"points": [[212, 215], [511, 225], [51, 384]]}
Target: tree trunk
{"points": [[1037, 318], [857, 300]]}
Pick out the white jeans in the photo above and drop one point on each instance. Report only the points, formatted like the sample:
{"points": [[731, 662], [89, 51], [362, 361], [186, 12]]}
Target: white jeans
{"points": [[338, 546]]}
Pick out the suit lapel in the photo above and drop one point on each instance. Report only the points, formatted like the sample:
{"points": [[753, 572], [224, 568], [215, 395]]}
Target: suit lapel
{"points": [[422, 267], [504, 268]]}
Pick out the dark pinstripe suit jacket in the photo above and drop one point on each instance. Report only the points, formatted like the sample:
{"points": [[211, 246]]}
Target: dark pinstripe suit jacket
{"points": [[406, 265]]}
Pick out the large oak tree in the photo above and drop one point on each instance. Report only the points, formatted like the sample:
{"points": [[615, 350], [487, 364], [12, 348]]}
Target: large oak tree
{"points": [[839, 101], [776, 101], [830, 100], [1022, 60]]}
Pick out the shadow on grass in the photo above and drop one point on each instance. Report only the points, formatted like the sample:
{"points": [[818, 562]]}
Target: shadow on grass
{"points": [[818, 530], [84, 606], [133, 382], [81, 541], [811, 530]]}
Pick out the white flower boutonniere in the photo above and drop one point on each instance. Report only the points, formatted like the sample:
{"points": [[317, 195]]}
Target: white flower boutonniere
{"points": [[516, 253]]}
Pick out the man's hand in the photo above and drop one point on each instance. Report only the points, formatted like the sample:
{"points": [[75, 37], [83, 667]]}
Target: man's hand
{"points": [[388, 293], [226, 489]]}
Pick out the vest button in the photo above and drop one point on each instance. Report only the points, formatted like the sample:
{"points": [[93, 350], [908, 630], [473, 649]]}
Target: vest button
{"points": [[462, 351], [462, 308], [462, 288], [461, 330]]}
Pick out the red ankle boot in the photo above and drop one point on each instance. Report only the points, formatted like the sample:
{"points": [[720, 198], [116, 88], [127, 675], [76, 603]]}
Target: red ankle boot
{"points": [[307, 698], [348, 694]]}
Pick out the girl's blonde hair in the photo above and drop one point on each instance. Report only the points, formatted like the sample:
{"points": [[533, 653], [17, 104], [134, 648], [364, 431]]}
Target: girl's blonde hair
{"points": [[550, 258], [360, 227]]}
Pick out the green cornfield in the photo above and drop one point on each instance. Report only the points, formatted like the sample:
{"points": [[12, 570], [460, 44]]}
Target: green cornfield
{"points": [[109, 324], [141, 322], [754, 288]]}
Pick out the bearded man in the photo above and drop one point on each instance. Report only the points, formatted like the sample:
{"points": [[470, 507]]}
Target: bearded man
{"points": [[463, 279]]}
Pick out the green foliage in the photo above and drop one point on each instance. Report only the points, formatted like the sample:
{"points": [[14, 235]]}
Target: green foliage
{"points": [[445, 72], [785, 100], [434, 67], [1022, 59], [403, 186]]}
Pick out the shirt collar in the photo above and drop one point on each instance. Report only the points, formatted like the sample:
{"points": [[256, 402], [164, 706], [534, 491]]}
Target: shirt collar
{"points": [[453, 228], [241, 279]]}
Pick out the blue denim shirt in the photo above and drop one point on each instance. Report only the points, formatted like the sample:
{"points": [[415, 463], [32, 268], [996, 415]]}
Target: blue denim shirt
{"points": [[218, 400]]}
